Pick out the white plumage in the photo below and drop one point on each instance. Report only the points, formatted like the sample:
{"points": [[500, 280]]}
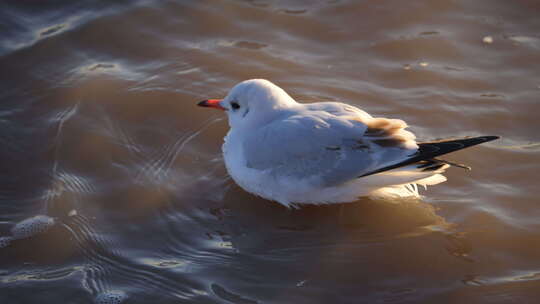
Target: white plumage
{"points": [[316, 153]]}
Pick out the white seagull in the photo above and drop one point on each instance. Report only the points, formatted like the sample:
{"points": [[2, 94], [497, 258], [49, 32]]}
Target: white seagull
{"points": [[324, 152]]}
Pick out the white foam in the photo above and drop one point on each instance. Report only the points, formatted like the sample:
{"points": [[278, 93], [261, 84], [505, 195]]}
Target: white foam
{"points": [[32, 226], [111, 297]]}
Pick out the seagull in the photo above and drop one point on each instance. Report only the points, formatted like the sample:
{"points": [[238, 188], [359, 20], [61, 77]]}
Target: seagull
{"points": [[323, 152]]}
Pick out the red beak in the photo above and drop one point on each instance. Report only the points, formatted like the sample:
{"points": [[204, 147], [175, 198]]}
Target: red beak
{"points": [[211, 103]]}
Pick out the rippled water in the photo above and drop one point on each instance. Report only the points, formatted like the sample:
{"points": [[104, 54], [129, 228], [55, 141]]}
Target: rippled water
{"points": [[113, 187]]}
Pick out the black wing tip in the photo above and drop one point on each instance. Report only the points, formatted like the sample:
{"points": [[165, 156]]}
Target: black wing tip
{"points": [[430, 150], [490, 137], [480, 139]]}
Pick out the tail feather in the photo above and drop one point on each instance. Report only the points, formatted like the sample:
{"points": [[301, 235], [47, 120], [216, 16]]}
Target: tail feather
{"points": [[436, 148], [427, 151]]}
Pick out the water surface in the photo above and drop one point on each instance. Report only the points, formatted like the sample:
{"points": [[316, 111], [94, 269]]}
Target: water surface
{"points": [[100, 132]]}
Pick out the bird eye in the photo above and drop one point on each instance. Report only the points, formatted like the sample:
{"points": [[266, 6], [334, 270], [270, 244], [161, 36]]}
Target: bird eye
{"points": [[235, 105]]}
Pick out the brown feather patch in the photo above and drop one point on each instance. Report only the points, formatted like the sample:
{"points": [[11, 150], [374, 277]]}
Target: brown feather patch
{"points": [[383, 132], [384, 127], [386, 132], [397, 141]]}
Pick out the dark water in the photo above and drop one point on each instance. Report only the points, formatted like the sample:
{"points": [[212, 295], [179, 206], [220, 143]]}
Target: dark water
{"points": [[100, 132]]}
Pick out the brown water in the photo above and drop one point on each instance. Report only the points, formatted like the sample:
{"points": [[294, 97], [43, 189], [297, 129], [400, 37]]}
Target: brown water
{"points": [[99, 130]]}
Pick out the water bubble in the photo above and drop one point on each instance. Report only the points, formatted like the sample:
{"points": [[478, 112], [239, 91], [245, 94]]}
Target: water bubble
{"points": [[487, 40], [5, 241], [110, 297], [32, 226]]}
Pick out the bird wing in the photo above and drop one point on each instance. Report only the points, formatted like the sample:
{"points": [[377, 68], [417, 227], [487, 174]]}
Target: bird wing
{"points": [[332, 146], [427, 151]]}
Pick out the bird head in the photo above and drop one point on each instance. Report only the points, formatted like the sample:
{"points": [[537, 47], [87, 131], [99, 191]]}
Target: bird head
{"points": [[252, 103]]}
